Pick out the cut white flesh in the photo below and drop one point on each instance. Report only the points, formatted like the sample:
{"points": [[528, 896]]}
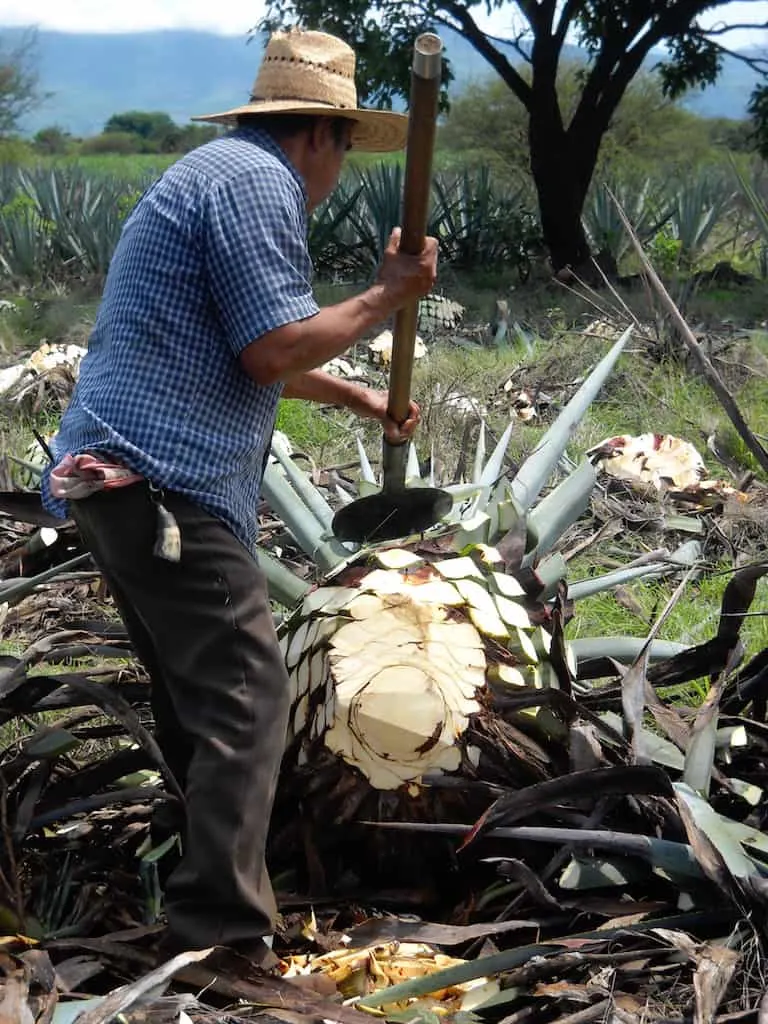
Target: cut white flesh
{"points": [[434, 592], [489, 623], [364, 605], [479, 600], [405, 685], [458, 568], [383, 581], [507, 585], [542, 641], [486, 554]]}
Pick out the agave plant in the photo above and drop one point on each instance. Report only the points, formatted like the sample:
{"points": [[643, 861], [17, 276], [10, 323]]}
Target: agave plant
{"points": [[481, 225], [699, 206], [644, 204], [398, 659]]}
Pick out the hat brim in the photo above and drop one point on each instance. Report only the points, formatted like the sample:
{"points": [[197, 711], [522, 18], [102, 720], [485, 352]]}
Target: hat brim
{"points": [[375, 131]]}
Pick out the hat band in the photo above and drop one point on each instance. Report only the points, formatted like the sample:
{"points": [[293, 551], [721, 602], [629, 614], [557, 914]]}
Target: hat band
{"points": [[297, 99]]}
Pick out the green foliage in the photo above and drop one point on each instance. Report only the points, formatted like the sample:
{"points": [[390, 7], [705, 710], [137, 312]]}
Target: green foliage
{"points": [[155, 129], [52, 141], [664, 252], [120, 143], [700, 204], [139, 131], [696, 61]]}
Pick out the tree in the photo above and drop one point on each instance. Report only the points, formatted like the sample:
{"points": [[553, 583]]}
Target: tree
{"points": [[158, 132], [52, 141], [648, 132], [616, 35], [19, 92]]}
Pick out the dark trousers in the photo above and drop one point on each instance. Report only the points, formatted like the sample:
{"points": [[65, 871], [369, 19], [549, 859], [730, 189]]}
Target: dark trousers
{"points": [[203, 629]]}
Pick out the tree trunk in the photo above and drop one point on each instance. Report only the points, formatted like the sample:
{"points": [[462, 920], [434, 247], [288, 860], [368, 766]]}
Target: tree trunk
{"points": [[561, 185]]}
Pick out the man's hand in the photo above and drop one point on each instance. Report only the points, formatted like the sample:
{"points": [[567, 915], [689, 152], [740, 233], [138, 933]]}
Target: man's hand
{"points": [[373, 405], [407, 278], [319, 386]]}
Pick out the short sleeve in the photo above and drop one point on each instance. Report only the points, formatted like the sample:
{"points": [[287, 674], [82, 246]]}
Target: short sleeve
{"points": [[257, 261]]}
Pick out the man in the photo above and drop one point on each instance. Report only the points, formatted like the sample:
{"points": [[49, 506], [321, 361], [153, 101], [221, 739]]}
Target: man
{"points": [[207, 318]]}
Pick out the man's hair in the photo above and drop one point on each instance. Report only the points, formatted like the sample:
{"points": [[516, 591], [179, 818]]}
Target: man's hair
{"points": [[286, 126]]}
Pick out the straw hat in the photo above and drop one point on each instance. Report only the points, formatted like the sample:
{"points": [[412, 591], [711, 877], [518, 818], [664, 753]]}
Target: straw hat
{"points": [[314, 73]]}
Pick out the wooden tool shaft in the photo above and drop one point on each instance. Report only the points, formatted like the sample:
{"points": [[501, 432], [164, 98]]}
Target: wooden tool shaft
{"points": [[422, 124]]}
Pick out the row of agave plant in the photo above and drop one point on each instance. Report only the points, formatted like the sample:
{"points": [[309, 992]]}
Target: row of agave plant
{"points": [[62, 223]]}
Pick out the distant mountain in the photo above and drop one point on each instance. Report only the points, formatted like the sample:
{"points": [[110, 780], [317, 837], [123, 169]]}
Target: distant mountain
{"points": [[92, 76]]}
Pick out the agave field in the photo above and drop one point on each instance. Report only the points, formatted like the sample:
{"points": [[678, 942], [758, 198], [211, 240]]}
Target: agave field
{"points": [[494, 805], [59, 223]]}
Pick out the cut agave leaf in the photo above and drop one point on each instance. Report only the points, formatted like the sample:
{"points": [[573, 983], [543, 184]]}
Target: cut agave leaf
{"points": [[397, 558], [366, 472], [509, 675], [521, 645], [458, 568], [507, 585], [660, 750], [472, 531], [718, 829], [50, 743], [327, 600], [601, 872], [512, 612], [298, 644]]}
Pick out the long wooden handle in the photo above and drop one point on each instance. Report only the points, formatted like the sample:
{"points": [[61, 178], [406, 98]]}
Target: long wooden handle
{"points": [[422, 124]]}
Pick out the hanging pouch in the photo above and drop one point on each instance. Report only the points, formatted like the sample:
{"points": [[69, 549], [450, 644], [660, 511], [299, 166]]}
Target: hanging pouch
{"points": [[168, 540]]}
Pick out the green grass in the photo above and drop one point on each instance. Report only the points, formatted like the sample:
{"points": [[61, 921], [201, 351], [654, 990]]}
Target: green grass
{"points": [[693, 620]]}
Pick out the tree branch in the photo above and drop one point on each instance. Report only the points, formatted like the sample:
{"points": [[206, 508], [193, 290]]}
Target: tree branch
{"points": [[566, 17], [481, 42], [731, 28], [759, 64]]}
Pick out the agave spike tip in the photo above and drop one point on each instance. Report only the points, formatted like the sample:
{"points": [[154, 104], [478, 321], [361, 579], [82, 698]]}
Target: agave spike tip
{"points": [[479, 454], [366, 472], [412, 470]]}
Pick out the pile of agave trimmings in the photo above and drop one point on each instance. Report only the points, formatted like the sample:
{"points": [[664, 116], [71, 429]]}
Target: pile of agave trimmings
{"points": [[386, 673]]}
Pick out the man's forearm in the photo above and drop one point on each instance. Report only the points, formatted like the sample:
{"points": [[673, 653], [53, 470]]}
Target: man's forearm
{"points": [[319, 386], [307, 344]]}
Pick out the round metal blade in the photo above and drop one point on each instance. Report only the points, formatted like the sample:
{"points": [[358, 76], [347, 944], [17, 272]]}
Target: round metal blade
{"points": [[391, 514]]}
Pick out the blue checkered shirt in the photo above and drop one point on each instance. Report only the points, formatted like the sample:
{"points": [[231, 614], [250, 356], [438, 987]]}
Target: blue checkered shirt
{"points": [[213, 257]]}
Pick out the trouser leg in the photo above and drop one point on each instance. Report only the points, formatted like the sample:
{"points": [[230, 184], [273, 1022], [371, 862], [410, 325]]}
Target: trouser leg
{"points": [[214, 645]]}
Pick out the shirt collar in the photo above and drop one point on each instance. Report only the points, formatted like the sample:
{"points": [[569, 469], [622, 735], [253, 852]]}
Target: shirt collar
{"points": [[265, 141]]}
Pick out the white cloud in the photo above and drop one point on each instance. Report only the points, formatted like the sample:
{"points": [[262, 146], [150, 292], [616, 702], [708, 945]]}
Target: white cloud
{"points": [[236, 17]]}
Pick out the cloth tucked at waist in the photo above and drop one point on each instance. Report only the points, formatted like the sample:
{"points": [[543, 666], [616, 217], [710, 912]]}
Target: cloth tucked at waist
{"points": [[79, 476]]}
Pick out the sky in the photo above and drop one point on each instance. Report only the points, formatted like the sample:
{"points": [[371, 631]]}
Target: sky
{"points": [[236, 17]]}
